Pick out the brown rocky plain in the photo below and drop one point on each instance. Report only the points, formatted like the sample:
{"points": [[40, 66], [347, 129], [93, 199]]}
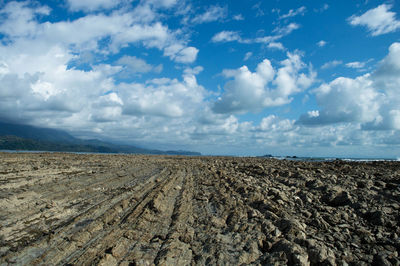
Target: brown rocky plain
{"points": [[75, 209]]}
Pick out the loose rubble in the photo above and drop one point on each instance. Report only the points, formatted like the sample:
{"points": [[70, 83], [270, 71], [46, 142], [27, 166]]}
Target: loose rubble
{"points": [[78, 209]]}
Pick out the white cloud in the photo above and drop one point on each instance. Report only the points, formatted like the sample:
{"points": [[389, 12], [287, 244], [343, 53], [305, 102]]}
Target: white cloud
{"points": [[238, 17], [321, 43], [154, 35], [40, 85], [136, 65], [258, 9], [162, 3], [276, 45], [226, 36], [371, 100], [294, 12], [110, 106], [265, 39], [210, 123], [314, 113], [163, 97], [120, 29], [274, 123], [378, 20], [247, 56], [187, 55], [19, 19], [98, 5], [92, 5], [194, 71], [286, 30], [266, 87], [331, 64], [356, 64], [213, 13], [389, 67], [345, 100], [230, 36], [322, 9], [79, 100], [181, 54]]}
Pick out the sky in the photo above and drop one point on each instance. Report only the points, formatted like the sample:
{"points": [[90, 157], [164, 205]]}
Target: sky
{"points": [[304, 78]]}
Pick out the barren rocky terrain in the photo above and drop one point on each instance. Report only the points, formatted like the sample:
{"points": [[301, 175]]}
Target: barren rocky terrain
{"points": [[71, 209]]}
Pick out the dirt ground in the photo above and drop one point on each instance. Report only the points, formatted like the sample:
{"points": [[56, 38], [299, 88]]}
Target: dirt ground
{"points": [[76, 209]]}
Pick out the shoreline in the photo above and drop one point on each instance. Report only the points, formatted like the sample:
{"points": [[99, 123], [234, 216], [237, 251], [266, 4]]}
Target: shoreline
{"points": [[289, 158]]}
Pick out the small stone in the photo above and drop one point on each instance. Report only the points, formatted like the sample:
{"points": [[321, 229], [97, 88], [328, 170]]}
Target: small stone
{"points": [[218, 222], [295, 253], [108, 260], [318, 253], [292, 227], [341, 200], [253, 214], [375, 217], [335, 196], [121, 248], [380, 260]]}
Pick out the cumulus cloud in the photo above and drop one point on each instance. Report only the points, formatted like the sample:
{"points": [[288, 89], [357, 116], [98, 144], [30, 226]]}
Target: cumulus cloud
{"points": [[266, 87], [162, 97], [378, 20], [344, 100], [41, 85], [274, 123], [19, 19], [110, 105], [98, 33], [75, 99], [370, 100], [213, 13], [210, 123]]}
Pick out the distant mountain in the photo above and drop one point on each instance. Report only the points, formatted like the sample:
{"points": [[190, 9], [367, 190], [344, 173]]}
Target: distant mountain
{"points": [[17, 143], [24, 137], [35, 133]]}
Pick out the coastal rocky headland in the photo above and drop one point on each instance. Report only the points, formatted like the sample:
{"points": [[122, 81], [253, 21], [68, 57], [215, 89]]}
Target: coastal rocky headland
{"points": [[80, 209]]}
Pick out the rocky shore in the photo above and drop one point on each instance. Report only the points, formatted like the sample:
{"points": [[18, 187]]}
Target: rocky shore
{"points": [[59, 209]]}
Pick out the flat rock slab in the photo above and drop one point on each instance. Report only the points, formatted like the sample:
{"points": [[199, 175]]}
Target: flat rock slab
{"points": [[80, 209]]}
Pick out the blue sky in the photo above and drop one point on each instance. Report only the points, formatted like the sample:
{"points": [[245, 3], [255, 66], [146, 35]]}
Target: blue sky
{"points": [[306, 78]]}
